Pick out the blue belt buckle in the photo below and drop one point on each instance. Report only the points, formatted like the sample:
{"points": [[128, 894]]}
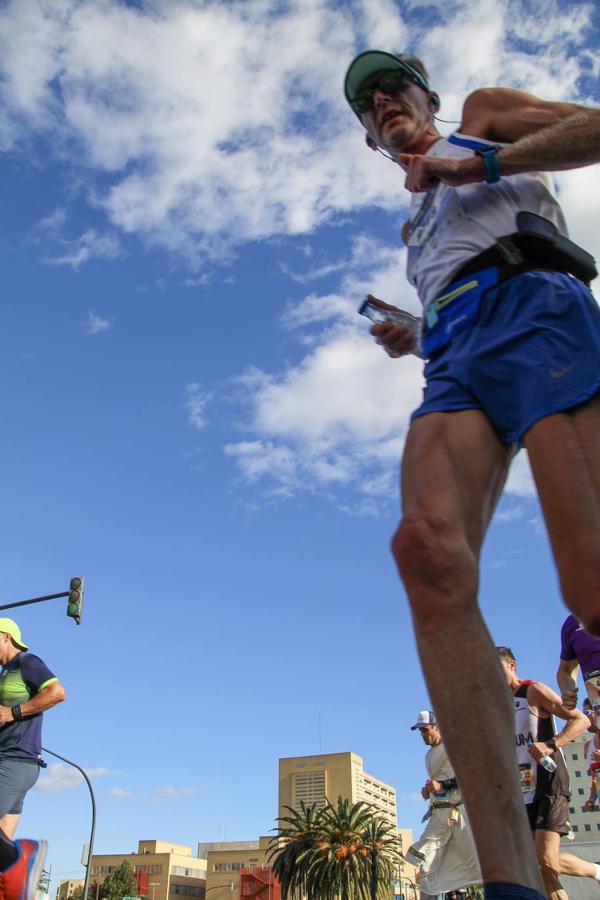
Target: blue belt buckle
{"points": [[431, 315]]}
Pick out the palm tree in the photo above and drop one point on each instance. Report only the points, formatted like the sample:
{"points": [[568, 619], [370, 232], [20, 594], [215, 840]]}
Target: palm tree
{"points": [[344, 851]]}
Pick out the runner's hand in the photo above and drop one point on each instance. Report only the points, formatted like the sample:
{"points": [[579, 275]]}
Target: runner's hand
{"points": [[397, 340], [539, 750], [424, 172], [6, 714], [569, 699]]}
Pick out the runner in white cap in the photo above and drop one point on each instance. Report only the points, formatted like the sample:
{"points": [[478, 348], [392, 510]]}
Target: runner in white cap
{"points": [[445, 853]]}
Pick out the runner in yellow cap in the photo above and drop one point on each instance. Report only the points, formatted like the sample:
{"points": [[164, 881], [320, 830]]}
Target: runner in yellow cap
{"points": [[27, 689]]}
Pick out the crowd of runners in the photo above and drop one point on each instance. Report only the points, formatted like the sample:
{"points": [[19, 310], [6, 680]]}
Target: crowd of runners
{"points": [[445, 853]]}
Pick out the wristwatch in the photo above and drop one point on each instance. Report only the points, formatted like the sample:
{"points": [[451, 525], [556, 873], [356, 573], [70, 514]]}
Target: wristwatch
{"points": [[490, 163], [551, 743]]}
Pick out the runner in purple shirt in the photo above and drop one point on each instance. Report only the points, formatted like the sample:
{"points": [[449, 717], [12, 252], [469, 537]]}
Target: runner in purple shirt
{"points": [[578, 650]]}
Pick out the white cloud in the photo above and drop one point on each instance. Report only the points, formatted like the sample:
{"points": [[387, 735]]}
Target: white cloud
{"points": [[520, 479], [117, 793], [199, 170], [335, 422], [74, 252], [509, 514], [59, 777], [195, 404], [96, 324], [169, 792]]}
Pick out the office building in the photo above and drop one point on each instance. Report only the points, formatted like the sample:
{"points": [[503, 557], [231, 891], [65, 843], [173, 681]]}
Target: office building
{"points": [[327, 776], [163, 870]]}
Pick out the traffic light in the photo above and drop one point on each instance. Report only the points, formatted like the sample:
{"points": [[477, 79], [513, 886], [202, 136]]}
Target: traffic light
{"points": [[75, 599]]}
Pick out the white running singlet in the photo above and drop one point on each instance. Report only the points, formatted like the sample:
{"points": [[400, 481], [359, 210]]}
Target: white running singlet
{"points": [[449, 226]]}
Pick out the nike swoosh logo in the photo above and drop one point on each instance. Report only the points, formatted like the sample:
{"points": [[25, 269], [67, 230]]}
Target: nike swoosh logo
{"points": [[559, 373]]}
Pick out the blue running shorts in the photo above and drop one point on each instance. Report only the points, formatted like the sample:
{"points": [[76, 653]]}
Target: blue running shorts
{"points": [[533, 350]]}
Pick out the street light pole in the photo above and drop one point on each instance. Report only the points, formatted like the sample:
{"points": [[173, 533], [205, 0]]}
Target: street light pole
{"points": [[153, 885], [93, 831]]}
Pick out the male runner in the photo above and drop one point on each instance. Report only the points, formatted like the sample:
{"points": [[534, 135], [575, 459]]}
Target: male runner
{"points": [[445, 852], [546, 794], [27, 688], [513, 349]]}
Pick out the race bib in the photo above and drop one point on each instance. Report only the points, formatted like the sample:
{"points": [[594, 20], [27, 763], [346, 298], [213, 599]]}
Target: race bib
{"points": [[526, 777]]}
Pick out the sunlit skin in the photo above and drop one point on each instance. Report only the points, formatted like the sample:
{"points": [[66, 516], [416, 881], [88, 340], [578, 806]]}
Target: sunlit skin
{"points": [[401, 122]]}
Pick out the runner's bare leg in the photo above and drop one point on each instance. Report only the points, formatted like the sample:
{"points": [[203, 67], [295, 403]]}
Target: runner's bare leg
{"points": [[547, 847], [568, 864], [453, 472], [564, 451]]}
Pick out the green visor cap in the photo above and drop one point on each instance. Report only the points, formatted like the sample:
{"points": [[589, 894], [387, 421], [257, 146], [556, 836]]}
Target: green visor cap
{"points": [[372, 61], [9, 626]]}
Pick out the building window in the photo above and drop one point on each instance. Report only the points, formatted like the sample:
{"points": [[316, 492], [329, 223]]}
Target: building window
{"points": [[577, 773], [571, 809], [228, 867], [575, 756], [309, 787], [189, 873], [152, 870], [575, 828], [588, 827], [187, 890], [580, 791]]}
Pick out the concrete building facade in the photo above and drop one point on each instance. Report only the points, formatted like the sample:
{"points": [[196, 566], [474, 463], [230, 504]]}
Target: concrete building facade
{"points": [[327, 776], [225, 861], [65, 889], [169, 870]]}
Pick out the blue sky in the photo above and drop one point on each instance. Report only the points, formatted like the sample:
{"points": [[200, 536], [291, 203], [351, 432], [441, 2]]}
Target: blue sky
{"points": [[196, 419]]}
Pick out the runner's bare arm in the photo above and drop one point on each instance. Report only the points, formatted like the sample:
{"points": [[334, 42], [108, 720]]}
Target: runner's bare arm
{"points": [[543, 136], [49, 696], [545, 702], [568, 670]]}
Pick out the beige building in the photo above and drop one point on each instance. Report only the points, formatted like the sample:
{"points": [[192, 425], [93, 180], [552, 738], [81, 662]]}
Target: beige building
{"points": [[315, 779], [65, 889], [327, 776], [224, 862], [170, 869]]}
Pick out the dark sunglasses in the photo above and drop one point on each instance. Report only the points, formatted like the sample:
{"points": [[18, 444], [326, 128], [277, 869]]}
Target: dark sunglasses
{"points": [[390, 83]]}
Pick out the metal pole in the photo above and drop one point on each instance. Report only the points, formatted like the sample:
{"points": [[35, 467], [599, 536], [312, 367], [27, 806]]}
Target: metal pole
{"points": [[93, 799], [35, 600]]}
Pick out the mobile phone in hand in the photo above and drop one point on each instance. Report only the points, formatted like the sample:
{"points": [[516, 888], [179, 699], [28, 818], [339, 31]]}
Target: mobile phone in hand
{"points": [[378, 315]]}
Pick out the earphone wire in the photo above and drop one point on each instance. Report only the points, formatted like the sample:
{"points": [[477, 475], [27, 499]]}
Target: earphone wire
{"points": [[387, 155], [447, 121]]}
